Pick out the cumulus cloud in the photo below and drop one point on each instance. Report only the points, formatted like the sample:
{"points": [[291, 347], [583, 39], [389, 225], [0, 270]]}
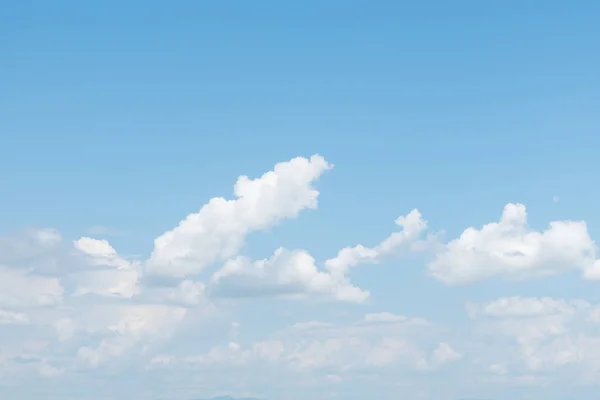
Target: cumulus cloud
{"points": [[511, 249], [39, 269], [115, 276], [85, 305], [100, 252], [219, 229], [549, 333], [295, 272], [412, 226], [286, 273], [90, 266]]}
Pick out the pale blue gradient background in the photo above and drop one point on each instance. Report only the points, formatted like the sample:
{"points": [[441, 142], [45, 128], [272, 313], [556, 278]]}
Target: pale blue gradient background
{"points": [[133, 114]]}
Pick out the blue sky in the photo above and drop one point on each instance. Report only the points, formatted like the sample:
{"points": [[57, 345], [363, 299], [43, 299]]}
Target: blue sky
{"points": [[119, 121]]}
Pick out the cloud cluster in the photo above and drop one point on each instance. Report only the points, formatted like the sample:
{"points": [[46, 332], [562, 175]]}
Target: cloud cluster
{"points": [[510, 249], [376, 341], [219, 229], [95, 301], [72, 305], [549, 334]]}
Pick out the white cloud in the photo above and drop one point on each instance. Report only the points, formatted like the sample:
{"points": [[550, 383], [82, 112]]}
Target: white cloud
{"points": [[39, 252], [119, 277], [286, 273], [295, 272], [18, 288], [106, 350], [408, 238], [269, 350], [445, 354], [13, 318], [510, 249], [314, 345], [527, 307], [119, 283], [334, 353], [219, 229], [116, 324], [188, 293], [100, 252], [28, 246], [142, 320], [128, 326], [82, 304], [226, 356], [549, 334], [384, 317]]}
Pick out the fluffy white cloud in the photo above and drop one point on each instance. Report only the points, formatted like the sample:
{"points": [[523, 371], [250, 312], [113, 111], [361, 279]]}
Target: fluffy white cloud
{"points": [[592, 272], [412, 225], [509, 248], [549, 334], [287, 273], [18, 288], [68, 305], [90, 266], [120, 323], [118, 277], [295, 273], [219, 229], [100, 252]]}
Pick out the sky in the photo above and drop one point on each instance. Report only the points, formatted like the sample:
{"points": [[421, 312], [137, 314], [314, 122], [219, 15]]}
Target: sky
{"points": [[299, 200]]}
